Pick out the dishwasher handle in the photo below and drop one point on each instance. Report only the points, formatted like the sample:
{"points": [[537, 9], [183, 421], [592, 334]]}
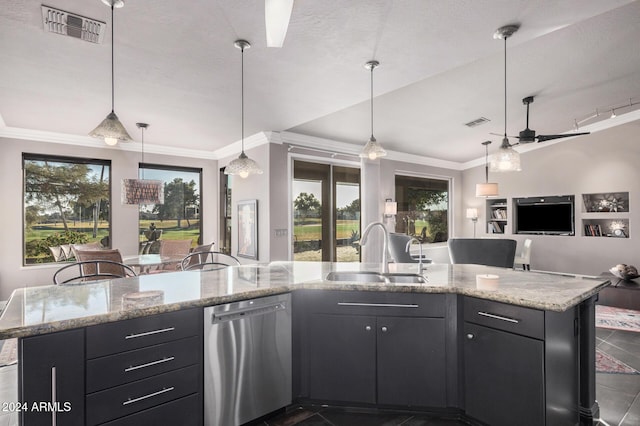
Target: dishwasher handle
{"points": [[247, 313]]}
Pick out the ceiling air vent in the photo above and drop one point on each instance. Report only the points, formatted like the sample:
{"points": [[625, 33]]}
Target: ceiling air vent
{"points": [[65, 23], [477, 122]]}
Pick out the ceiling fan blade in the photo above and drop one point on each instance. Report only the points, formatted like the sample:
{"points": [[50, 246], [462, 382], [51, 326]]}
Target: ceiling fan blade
{"points": [[544, 138], [501, 135]]}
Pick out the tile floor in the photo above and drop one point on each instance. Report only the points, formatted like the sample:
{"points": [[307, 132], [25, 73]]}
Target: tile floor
{"points": [[617, 394]]}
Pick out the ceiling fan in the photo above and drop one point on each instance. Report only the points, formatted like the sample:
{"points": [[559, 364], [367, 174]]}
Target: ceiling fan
{"points": [[528, 135]]}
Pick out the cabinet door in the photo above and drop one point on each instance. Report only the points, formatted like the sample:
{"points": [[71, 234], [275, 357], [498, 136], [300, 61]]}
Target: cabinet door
{"points": [[411, 361], [51, 376], [504, 377], [342, 361]]}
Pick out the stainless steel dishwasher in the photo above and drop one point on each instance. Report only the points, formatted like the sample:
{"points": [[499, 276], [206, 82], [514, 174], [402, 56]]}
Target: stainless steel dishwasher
{"points": [[247, 371]]}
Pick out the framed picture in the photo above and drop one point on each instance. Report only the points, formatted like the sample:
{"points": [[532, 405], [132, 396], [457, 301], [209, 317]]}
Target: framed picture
{"points": [[248, 229]]}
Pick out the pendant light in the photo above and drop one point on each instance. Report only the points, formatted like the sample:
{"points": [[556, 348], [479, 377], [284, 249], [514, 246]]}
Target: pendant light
{"points": [[142, 191], [506, 159], [372, 149], [242, 166], [487, 189], [111, 129]]}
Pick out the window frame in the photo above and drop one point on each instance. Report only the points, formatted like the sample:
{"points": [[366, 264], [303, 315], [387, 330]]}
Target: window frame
{"points": [[450, 195], [29, 156], [187, 169]]}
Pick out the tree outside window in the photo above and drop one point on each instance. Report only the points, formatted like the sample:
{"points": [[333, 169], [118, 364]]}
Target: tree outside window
{"points": [[179, 217], [66, 201]]}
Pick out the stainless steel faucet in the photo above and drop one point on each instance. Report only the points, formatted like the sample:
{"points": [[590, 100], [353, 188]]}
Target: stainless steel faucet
{"points": [[420, 246], [384, 268]]}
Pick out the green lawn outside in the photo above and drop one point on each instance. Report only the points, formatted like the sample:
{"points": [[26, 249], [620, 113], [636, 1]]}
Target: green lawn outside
{"points": [[314, 231]]}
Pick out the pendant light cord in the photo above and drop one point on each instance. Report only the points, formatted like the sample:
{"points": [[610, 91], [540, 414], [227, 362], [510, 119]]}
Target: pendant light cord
{"points": [[242, 96], [486, 163], [112, 43], [372, 67], [505, 87], [142, 129]]}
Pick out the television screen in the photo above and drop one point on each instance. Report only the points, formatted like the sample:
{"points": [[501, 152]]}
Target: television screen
{"points": [[551, 218]]}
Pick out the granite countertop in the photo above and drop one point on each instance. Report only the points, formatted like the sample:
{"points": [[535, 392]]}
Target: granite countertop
{"points": [[45, 309]]}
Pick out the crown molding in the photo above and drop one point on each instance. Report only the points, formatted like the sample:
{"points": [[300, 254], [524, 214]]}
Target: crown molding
{"points": [[339, 147], [89, 142], [235, 148]]}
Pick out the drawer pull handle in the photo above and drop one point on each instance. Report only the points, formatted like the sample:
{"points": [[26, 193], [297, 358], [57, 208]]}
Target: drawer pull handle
{"points": [[151, 395], [379, 305], [149, 364], [149, 333], [498, 317]]}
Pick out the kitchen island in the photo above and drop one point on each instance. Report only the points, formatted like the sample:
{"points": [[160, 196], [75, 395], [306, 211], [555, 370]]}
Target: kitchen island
{"points": [[542, 321]]}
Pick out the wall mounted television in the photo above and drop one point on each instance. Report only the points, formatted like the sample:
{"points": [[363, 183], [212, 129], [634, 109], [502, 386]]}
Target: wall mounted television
{"points": [[552, 215]]}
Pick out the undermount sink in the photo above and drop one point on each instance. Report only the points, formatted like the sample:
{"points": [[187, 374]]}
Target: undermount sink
{"points": [[406, 278], [375, 277], [356, 276]]}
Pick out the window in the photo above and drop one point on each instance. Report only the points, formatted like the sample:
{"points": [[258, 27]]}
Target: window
{"points": [[179, 217], [326, 212], [66, 201], [423, 208]]}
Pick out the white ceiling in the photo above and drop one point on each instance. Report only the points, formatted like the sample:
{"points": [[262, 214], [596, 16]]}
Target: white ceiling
{"points": [[176, 69]]}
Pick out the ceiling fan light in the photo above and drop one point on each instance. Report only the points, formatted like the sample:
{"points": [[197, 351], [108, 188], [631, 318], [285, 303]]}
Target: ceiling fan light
{"points": [[111, 130], [276, 16], [372, 150], [487, 189], [243, 166], [506, 159]]}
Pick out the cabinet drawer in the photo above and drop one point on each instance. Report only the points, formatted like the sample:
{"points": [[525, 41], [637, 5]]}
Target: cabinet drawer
{"points": [[184, 411], [127, 399], [376, 303], [515, 319], [121, 336], [114, 370]]}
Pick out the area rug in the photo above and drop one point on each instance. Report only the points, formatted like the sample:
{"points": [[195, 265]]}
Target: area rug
{"points": [[9, 352], [605, 363], [617, 318]]}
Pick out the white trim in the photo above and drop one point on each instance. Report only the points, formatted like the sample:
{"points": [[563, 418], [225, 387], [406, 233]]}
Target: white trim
{"points": [[235, 148], [89, 142]]}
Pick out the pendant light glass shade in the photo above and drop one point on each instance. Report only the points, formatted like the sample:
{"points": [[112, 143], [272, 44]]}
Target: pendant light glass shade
{"points": [[142, 191], [111, 129], [372, 149], [242, 166], [506, 159], [486, 189]]}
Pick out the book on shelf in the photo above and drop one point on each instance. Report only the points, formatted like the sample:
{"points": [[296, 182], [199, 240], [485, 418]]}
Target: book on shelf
{"points": [[499, 213], [592, 230], [495, 228]]}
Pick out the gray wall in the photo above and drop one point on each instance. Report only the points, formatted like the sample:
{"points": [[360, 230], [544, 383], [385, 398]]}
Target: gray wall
{"points": [[254, 187], [607, 161], [124, 219]]}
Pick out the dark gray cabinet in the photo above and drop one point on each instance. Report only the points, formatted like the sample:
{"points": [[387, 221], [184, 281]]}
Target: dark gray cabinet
{"points": [[504, 377], [373, 348], [139, 371], [138, 368], [520, 364], [51, 378], [342, 358]]}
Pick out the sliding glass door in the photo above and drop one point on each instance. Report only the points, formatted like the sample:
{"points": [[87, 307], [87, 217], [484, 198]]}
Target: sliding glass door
{"points": [[326, 212]]}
